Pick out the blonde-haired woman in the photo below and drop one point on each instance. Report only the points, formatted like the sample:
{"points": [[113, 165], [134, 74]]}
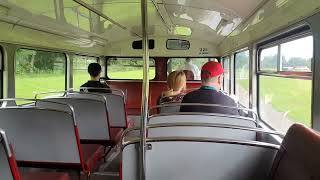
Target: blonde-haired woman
{"points": [[177, 83]]}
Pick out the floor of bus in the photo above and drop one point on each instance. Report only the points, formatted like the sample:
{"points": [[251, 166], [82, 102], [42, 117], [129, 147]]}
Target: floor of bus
{"points": [[110, 169]]}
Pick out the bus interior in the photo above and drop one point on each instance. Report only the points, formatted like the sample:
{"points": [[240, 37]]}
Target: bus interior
{"points": [[51, 127]]}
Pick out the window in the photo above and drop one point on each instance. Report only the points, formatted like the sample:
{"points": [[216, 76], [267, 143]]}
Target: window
{"points": [[80, 69], [128, 68], [76, 15], [178, 44], [242, 77], [1, 73], [226, 76], [297, 55], [285, 92], [269, 59], [190, 64], [38, 71]]}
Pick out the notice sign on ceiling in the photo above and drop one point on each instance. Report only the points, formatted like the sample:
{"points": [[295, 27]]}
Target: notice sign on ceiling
{"points": [[203, 51]]}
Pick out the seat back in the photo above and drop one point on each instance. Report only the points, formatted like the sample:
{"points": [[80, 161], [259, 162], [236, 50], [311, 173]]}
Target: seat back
{"points": [[90, 114], [202, 118], [299, 155], [202, 131], [6, 172], [115, 105], [169, 109], [182, 159], [41, 137]]}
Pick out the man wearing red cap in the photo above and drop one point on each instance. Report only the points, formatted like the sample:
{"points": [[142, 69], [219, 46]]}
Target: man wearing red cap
{"points": [[209, 93]]}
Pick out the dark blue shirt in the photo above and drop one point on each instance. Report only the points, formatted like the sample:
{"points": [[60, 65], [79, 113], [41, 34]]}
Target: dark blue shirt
{"points": [[209, 95]]}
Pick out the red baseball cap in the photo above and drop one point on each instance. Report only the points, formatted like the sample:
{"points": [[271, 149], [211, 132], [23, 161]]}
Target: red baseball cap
{"points": [[211, 69]]}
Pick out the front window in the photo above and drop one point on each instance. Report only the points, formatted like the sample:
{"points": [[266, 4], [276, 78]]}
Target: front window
{"points": [[129, 68], [191, 66]]}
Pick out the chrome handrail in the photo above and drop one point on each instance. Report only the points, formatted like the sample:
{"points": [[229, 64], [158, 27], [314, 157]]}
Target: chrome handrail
{"points": [[122, 93], [256, 117], [51, 92], [40, 100], [196, 124], [5, 141], [201, 139], [202, 114], [70, 91]]}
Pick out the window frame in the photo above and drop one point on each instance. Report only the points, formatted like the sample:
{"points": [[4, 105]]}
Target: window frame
{"points": [[43, 50], [110, 57], [235, 74], [279, 73], [229, 69], [293, 35], [1, 70], [178, 40]]}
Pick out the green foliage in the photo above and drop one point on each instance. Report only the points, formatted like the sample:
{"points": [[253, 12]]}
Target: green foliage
{"points": [[242, 60], [269, 63], [30, 61], [289, 95], [126, 65], [286, 95]]}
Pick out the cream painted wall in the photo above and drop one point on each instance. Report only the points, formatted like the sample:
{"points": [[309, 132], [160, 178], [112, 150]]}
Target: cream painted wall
{"points": [[124, 48]]}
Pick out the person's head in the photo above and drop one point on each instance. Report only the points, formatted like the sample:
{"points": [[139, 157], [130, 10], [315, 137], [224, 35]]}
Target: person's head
{"points": [[212, 74], [94, 69], [188, 60], [177, 81]]}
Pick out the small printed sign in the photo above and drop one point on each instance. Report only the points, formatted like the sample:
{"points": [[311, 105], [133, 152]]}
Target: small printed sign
{"points": [[203, 51]]}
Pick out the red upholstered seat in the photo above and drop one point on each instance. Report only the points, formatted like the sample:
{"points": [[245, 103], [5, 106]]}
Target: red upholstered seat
{"points": [[44, 176], [92, 153], [298, 158], [115, 134]]}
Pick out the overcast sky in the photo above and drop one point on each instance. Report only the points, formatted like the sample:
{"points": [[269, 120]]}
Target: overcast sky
{"points": [[298, 48]]}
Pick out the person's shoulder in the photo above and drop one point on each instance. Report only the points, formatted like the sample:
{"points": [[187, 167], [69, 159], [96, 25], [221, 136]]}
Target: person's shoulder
{"points": [[227, 98], [190, 95], [104, 86], [85, 84]]}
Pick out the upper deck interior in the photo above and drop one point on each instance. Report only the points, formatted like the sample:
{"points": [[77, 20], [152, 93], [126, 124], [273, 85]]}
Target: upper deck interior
{"points": [[108, 27], [240, 34]]}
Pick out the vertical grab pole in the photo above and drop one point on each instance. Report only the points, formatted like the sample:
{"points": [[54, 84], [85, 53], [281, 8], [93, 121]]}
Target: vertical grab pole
{"points": [[145, 88]]}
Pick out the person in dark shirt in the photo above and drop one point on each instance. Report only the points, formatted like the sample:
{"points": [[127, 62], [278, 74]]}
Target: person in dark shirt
{"points": [[94, 69], [209, 93]]}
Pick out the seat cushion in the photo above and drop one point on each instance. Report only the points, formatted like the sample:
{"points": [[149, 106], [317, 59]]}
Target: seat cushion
{"points": [[92, 154], [298, 158], [44, 176]]}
